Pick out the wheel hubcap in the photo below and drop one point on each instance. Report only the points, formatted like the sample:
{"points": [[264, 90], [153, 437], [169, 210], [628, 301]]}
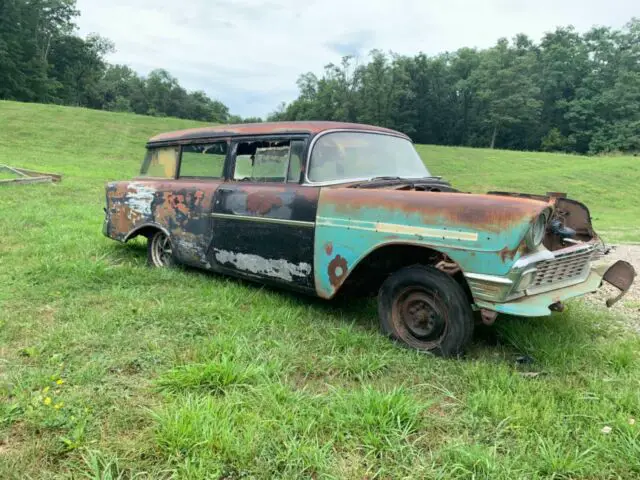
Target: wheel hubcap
{"points": [[162, 252], [422, 314]]}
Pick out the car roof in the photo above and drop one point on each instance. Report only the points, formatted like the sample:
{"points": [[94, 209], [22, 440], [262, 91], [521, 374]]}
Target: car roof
{"points": [[266, 128]]}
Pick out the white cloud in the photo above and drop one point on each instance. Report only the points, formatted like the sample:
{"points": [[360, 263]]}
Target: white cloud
{"points": [[249, 53]]}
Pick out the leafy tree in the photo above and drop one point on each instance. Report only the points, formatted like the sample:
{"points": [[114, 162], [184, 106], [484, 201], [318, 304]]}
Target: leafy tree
{"points": [[43, 60], [77, 69], [506, 90], [570, 92]]}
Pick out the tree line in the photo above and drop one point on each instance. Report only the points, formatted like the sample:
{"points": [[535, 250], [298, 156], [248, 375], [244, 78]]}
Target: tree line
{"points": [[570, 92], [43, 60]]}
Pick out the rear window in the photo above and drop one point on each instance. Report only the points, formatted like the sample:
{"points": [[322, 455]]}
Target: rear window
{"points": [[160, 162]]}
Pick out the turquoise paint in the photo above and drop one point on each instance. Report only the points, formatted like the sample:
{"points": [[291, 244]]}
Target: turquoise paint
{"points": [[354, 237]]}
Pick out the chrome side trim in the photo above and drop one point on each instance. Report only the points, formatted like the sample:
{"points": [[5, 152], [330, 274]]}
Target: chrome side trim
{"points": [[397, 229], [539, 256], [279, 221], [488, 278]]}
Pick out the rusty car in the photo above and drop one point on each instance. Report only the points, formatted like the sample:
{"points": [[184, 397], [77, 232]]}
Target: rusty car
{"points": [[329, 208]]}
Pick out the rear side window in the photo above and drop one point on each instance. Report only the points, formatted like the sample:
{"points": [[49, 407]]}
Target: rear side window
{"points": [[203, 160], [269, 161], [160, 162]]}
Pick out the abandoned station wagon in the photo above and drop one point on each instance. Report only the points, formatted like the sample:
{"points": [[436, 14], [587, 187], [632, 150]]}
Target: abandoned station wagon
{"points": [[328, 208]]}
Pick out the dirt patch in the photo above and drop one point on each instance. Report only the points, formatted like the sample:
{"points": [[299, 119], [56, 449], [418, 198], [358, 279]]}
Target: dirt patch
{"points": [[629, 305]]}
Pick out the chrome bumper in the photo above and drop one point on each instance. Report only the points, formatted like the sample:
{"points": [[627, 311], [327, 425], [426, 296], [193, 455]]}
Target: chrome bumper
{"points": [[544, 278]]}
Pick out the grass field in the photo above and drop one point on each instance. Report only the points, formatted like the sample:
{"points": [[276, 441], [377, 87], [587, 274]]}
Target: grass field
{"points": [[109, 369]]}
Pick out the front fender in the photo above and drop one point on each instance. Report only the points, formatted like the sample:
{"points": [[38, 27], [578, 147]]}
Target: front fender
{"points": [[481, 233]]}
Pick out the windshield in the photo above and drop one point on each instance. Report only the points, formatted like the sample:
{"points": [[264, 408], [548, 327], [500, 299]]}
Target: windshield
{"points": [[357, 156]]}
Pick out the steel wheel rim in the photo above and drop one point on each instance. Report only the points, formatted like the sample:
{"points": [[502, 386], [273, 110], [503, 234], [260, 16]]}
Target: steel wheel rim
{"points": [[161, 250], [422, 314]]}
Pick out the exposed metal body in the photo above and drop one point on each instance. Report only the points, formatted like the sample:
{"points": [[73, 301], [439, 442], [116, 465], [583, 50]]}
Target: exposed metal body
{"points": [[312, 237]]}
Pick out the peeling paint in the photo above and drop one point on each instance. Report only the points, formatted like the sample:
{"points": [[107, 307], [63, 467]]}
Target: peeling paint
{"points": [[328, 248], [275, 268], [139, 197], [193, 251]]}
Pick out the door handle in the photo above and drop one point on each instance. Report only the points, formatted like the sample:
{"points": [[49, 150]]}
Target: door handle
{"points": [[225, 189]]}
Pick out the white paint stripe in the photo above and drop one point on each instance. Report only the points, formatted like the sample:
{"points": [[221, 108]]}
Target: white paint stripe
{"points": [[398, 229]]}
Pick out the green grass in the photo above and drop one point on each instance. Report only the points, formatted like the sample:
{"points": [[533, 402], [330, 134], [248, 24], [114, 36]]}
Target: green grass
{"points": [[6, 174], [109, 369]]}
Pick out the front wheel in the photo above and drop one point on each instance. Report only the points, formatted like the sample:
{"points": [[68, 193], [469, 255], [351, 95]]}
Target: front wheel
{"points": [[160, 251], [427, 310]]}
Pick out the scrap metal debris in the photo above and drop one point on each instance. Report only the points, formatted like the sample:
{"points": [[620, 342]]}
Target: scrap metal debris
{"points": [[28, 176]]}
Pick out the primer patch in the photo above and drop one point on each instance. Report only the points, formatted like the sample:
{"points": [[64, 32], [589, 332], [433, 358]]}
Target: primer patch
{"points": [[275, 268]]}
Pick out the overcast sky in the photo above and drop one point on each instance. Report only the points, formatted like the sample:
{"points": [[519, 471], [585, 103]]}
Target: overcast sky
{"points": [[249, 53]]}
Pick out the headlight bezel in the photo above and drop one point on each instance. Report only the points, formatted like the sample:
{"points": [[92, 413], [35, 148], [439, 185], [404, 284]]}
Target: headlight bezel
{"points": [[535, 235]]}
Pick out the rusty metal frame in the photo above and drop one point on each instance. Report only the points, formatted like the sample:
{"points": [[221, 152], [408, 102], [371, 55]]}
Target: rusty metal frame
{"points": [[29, 176]]}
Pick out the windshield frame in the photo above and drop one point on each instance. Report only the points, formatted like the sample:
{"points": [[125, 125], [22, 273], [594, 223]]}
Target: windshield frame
{"points": [[315, 139]]}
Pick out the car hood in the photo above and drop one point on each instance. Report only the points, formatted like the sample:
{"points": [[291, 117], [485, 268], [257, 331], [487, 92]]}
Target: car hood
{"points": [[478, 212]]}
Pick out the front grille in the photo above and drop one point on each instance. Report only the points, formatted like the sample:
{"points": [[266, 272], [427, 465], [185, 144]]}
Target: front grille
{"points": [[566, 268]]}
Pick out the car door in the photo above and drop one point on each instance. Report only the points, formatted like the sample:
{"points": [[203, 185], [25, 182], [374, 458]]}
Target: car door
{"points": [[263, 218], [185, 204]]}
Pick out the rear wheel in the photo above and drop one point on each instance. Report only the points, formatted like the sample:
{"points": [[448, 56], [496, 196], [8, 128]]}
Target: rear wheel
{"points": [[160, 250], [427, 310]]}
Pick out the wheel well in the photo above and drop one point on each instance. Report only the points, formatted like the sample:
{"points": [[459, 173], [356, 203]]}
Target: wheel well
{"points": [[145, 231], [368, 275]]}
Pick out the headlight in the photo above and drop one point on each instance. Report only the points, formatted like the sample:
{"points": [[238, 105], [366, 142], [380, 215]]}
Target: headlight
{"points": [[535, 235]]}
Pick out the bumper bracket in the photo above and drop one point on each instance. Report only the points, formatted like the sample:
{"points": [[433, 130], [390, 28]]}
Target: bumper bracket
{"points": [[621, 275]]}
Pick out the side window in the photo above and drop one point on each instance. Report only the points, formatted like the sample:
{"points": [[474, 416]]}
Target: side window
{"points": [[203, 160], [295, 161], [263, 161], [160, 162]]}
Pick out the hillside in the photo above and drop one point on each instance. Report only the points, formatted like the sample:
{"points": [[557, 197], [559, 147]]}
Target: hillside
{"points": [[110, 369], [97, 146]]}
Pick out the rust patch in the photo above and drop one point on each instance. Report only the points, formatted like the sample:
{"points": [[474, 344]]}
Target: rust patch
{"points": [[172, 205], [337, 271], [310, 127], [261, 203], [507, 253], [328, 248], [485, 212]]}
